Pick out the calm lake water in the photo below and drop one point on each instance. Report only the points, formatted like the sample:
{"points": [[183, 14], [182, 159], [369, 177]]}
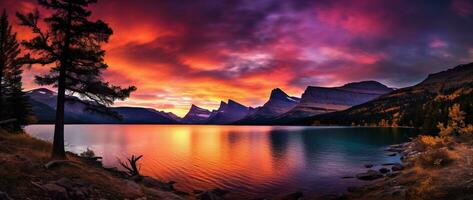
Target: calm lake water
{"points": [[256, 161]]}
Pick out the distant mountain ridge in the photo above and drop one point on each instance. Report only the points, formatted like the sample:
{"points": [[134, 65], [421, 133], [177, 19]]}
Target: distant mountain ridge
{"points": [[318, 100], [278, 103], [43, 103], [279, 108], [422, 105], [228, 113], [196, 115]]}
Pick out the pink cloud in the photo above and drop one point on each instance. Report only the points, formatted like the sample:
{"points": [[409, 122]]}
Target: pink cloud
{"points": [[437, 43], [463, 8]]}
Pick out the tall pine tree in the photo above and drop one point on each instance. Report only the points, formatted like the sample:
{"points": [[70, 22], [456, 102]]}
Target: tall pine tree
{"points": [[71, 44], [13, 103]]}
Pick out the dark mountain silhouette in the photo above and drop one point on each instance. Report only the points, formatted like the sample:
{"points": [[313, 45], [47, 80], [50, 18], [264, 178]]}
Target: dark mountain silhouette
{"points": [[196, 115], [318, 100], [279, 102], [228, 113], [43, 102]]}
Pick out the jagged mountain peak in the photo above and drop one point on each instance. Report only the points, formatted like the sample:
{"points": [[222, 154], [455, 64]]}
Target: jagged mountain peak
{"points": [[196, 108], [232, 103], [277, 93]]}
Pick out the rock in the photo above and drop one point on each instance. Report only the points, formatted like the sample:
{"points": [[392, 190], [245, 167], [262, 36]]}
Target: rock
{"points": [[214, 194], [219, 191], [398, 191], [369, 175], [4, 196], [197, 191], [347, 177], [391, 154], [55, 191], [369, 165], [65, 182], [208, 195], [161, 194], [292, 196], [397, 167], [181, 193], [388, 164], [151, 182], [353, 189], [132, 187], [384, 170], [392, 174]]}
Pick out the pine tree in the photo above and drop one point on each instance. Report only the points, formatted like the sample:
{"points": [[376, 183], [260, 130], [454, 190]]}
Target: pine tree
{"points": [[13, 103], [72, 45]]}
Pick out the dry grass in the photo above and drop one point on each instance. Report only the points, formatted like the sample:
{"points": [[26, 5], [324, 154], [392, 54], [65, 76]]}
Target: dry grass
{"points": [[430, 179], [435, 158], [21, 162]]}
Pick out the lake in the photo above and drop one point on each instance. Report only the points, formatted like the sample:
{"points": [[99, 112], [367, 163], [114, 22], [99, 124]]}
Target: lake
{"points": [[249, 161]]}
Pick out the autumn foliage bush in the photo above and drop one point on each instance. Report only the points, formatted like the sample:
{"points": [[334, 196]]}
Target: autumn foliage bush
{"points": [[435, 158], [427, 142]]}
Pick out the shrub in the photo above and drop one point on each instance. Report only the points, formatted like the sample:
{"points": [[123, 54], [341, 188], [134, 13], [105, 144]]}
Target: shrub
{"points": [[422, 191], [89, 153], [435, 158], [456, 124], [427, 142]]}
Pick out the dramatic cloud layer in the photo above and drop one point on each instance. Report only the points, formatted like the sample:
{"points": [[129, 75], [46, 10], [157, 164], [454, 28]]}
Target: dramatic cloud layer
{"points": [[183, 52]]}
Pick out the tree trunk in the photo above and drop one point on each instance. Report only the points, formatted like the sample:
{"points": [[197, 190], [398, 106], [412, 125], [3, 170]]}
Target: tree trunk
{"points": [[58, 143], [2, 108]]}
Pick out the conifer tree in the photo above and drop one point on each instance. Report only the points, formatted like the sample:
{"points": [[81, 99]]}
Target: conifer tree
{"points": [[13, 103], [71, 44]]}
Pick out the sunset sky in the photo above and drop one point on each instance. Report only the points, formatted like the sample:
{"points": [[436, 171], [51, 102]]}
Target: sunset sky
{"points": [[183, 52]]}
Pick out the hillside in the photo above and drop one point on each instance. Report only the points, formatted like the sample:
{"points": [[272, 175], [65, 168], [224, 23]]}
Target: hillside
{"points": [[423, 105], [319, 100]]}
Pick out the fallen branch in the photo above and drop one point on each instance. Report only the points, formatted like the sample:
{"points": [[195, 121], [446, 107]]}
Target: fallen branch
{"points": [[37, 185], [7, 121], [53, 163]]}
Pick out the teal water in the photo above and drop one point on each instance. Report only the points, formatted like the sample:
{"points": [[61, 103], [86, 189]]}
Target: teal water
{"points": [[250, 161]]}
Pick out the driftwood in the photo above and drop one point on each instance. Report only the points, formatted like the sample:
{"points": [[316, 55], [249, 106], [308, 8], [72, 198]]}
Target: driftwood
{"points": [[7, 121], [131, 165], [53, 163]]}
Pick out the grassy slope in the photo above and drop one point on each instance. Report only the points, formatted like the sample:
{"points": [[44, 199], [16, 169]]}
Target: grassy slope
{"points": [[421, 181], [21, 162]]}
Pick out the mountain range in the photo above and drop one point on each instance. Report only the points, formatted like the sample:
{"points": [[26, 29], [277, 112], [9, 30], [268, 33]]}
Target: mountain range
{"points": [[423, 105], [279, 107], [43, 102]]}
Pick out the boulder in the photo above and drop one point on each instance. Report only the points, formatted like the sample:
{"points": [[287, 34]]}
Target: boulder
{"points": [[397, 167], [384, 170], [369, 175], [369, 165], [209, 195], [292, 196], [151, 182], [391, 154], [65, 183], [214, 194], [392, 174], [55, 191]]}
